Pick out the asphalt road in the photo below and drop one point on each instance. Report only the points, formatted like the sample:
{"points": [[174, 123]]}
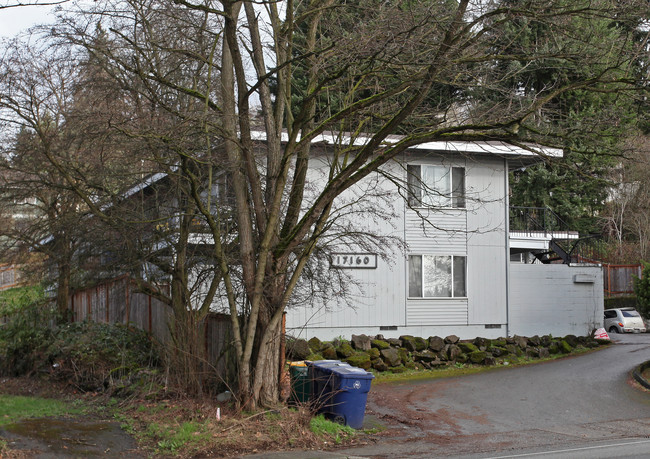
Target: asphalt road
{"points": [[584, 406]]}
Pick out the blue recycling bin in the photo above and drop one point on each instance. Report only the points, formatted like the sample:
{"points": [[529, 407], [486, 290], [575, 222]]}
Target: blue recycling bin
{"points": [[345, 394], [320, 375]]}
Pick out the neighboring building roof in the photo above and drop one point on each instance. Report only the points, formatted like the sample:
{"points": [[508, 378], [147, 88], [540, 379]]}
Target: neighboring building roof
{"points": [[492, 147]]}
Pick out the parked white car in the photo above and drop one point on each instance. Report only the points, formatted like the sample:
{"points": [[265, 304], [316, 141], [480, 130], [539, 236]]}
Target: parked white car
{"points": [[624, 320]]}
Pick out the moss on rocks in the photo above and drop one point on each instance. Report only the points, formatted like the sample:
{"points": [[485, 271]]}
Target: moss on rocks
{"points": [[467, 348], [359, 359], [477, 356], [379, 344], [344, 350]]}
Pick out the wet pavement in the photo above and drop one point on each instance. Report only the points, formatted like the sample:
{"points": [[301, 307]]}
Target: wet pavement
{"points": [[65, 438]]}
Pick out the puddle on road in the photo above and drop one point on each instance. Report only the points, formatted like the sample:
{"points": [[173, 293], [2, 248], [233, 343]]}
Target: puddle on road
{"points": [[54, 438]]}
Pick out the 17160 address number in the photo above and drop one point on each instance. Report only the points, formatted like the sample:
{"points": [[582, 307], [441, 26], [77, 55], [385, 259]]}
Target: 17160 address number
{"points": [[354, 260]]}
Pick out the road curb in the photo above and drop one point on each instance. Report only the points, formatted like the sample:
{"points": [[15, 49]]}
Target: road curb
{"points": [[638, 374]]}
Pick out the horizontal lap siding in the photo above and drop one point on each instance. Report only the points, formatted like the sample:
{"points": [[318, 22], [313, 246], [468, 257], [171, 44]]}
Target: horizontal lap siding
{"points": [[440, 232], [437, 312]]}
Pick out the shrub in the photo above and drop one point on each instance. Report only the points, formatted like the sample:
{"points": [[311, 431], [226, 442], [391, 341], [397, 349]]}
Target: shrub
{"points": [[642, 290], [96, 356], [29, 321]]}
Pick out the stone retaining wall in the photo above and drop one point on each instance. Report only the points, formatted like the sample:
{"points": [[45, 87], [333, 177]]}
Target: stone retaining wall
{"points": [[411, 352]]}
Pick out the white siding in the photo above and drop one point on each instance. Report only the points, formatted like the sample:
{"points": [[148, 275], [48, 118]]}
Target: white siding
{"points": [[380, 301], [544, 299], [438, 311], [486, 242]]}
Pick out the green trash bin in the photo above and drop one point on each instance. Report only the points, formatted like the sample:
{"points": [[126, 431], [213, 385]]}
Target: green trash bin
{"points": [[300, 383]]}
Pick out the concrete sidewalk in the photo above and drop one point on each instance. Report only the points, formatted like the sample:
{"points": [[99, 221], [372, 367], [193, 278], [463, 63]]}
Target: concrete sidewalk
{"points": [[303, 455]]}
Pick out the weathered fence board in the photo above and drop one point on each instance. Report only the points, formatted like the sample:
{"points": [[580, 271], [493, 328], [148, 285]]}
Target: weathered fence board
{"points": [[117, 301], [619, 279]]}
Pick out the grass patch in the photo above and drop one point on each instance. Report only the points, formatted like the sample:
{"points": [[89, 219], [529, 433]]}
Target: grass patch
{"points": [[463, 369], [15, 408], [323, 427]]}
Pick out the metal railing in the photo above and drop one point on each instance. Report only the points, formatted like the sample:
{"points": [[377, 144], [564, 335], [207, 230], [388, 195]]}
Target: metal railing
{"points": [[536, 221]]}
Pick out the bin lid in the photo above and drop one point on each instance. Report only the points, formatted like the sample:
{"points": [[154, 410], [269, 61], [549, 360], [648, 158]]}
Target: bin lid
{"points": [[319, 363], [299, 363], [352, 372]]}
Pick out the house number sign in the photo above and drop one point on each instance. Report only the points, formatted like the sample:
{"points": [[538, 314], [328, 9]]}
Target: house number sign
{"points": [[354, 260]]}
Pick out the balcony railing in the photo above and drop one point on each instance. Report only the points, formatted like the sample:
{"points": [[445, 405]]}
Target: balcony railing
{"points": [[537, 222]]}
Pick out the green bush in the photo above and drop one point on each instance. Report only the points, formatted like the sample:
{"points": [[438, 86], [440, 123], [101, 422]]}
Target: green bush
{"points": [[89, 355], [642, 290], [29, 320], [97, 356]]}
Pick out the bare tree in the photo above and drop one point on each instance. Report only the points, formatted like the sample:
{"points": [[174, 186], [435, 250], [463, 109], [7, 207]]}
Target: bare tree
{"points": [[238, 62]]}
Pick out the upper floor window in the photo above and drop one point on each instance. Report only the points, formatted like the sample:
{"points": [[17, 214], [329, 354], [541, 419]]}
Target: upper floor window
{"points": [[437, 276], [436, 186]]}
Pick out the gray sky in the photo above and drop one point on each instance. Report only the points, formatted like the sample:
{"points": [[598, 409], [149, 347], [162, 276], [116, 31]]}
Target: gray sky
{"points": [[15, 20]]}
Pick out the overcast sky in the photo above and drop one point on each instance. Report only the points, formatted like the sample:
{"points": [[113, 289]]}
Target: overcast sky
{"points": [[15, 20]]}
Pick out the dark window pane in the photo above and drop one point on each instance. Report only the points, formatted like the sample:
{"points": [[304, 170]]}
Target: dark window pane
{"points": [[415, 276], [459, 277], [458, 187], [414, 185]]}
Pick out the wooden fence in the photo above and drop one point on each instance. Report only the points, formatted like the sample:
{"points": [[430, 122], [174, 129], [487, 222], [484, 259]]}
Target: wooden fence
{"points": [[619, 279], [117, 301]]}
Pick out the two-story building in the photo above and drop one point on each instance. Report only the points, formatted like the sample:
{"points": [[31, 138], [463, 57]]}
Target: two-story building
{"points": [[460, 270]]}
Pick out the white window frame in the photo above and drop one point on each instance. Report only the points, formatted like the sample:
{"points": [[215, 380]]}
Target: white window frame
{"points": [[428, 291], [436, 186]]}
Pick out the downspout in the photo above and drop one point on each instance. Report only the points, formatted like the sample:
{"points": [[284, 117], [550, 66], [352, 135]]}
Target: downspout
{"points": [[507, 235]]}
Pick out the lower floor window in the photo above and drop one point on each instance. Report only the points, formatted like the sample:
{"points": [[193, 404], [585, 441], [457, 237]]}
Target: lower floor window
{"points": [[437, 276]]}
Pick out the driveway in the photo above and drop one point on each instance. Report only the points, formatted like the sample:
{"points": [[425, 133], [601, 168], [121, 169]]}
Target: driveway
{"points": [[571, 403]]}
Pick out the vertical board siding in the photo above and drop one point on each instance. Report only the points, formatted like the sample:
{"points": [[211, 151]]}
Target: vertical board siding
{"points": [[109, 301], [544, 299]]}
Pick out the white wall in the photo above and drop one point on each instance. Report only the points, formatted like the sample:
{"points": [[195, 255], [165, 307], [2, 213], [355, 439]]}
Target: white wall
{"points": [[477, 232], [555, 299]]}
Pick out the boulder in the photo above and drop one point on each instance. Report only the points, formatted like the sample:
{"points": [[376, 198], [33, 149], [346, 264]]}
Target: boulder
{"points": [[489, 360], [394, 342], [532, 352], [420, 343], [572, 340], [467, 348], [453, 352], [498, 351], [408, 342], [379, 344], [344, 349], [298, 349], [403, 355], [359, 359], [521, 341], [546, 340], [329, 352], [425, 356], [399, 369], [436, 343], [360, 342], [391, 357], [543, 353], [565, 347], [481, 343], [451, 339], [315, 344], [373, 353], [477, 356], [379, 365], [534, 341]]}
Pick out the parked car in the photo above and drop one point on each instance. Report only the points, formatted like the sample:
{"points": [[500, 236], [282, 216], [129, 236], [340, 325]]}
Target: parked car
{"points": [[624, 320]]}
